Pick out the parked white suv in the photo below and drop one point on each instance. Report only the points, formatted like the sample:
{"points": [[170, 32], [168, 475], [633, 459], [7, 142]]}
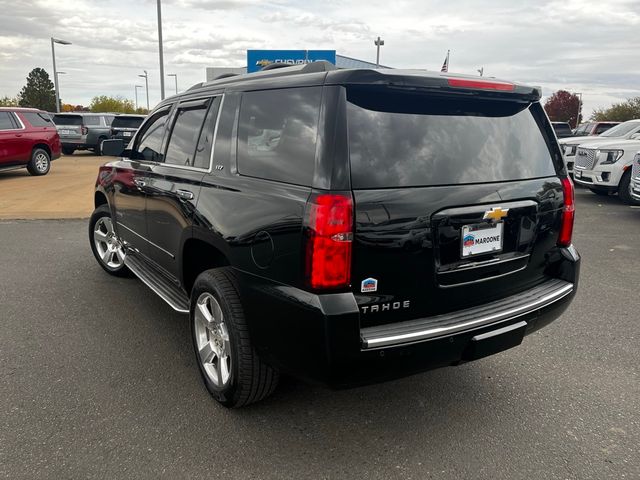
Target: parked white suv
{"points": [[605, 166], [570, 145], [634, 187]]}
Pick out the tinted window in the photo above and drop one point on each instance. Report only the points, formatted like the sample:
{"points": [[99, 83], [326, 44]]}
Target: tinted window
{"points": [[398, 140], [38, 119], [603, 127], [149, 145], [185, 133], [277, 134], [126, 122], [203, 151], [67, 119], [5, 121], [90, 120], [562, 130]]}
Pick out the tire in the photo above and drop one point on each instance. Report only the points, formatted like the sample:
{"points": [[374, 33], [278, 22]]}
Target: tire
{"points": [[108, 250], [40, 162], [597, 191], [68, 150], [222, 345], [623, 189]]}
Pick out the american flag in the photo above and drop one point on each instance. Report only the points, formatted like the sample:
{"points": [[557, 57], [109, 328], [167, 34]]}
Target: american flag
{"points": [[445, 65]]}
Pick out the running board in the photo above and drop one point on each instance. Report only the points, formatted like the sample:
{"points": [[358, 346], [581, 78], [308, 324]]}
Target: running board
{"points": [[152, 278]]}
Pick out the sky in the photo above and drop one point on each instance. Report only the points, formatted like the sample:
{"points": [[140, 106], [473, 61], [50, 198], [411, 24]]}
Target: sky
{"points": [[578, 45]]}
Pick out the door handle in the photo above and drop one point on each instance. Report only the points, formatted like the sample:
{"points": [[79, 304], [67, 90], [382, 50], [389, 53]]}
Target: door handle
{"points": [[139, 183], [184, 194]]}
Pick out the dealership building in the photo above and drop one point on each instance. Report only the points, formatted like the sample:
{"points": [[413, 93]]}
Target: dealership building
{"points": [[256, 59]]}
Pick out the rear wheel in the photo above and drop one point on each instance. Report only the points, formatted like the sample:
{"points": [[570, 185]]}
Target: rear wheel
{"points": [[105, 244], [230, 367], [600, 191], [623, 189], [40, 162], [68, 150]]}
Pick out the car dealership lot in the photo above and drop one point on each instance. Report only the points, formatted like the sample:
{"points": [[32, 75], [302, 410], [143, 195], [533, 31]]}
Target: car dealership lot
{"points": [[99, 381]]}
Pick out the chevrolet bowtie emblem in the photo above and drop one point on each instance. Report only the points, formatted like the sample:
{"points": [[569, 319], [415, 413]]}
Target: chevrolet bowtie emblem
{"points": [[495, 214]]}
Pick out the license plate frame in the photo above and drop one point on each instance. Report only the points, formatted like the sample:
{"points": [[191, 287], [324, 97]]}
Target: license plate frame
{"points": [[126, 134], [470, 234], [65, 132]]}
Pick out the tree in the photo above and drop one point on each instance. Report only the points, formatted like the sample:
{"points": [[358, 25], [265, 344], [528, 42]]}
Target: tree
{"points": [[7, 101], [38, 92], [104, 103], [563, 106], [619, 112], [67, 107]]}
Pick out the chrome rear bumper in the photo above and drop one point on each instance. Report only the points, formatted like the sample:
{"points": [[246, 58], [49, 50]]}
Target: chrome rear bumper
{"points": [[402, 333]]}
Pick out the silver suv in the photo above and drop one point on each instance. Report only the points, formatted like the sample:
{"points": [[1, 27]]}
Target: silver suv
{"points": [[83, 131]]}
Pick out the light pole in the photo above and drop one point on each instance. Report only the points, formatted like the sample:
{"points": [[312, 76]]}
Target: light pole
{"points": [[160, 51], [378, 43], [55, 73], [137, 87], [579, 108], [175, 76], [146, 81]]}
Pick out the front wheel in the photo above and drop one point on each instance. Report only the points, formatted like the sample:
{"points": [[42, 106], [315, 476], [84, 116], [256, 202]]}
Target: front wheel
{"points": [[624, 189], [230, 367], [40, 162], [105, 244]]}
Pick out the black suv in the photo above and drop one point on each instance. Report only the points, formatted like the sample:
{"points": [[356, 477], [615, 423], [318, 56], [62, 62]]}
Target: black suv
{"points": [[343, 226]]}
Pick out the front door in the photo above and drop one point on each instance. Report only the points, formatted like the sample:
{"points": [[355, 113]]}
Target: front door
{"points": [[174, 185], [131, 187]]}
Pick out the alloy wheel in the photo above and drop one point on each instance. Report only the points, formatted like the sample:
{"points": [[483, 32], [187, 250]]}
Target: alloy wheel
{"points": [[212, 340], [108, 245]]}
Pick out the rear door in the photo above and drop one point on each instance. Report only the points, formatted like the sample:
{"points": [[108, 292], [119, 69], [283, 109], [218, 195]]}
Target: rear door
{"points": [[69, 127], [130, 193], [173, 185], [457, 201], [10, 139]]}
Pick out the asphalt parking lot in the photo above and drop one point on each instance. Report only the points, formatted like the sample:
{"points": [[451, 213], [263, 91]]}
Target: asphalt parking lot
{"points": [[98, 380]]}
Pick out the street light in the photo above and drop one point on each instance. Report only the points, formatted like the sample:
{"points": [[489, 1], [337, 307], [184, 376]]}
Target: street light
{"points": [[55, 73], [160, 51], [137, 87], [579, 108], [175, 76], [378, 43], [146, 81]]}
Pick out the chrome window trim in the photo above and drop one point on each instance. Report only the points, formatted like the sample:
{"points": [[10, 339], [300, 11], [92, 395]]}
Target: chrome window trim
{"points": [[19, 120], [213, 146]]}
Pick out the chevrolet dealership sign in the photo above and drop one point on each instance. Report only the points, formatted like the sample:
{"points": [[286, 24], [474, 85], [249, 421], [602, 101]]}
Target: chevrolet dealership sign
{"points": [[256, 59]]}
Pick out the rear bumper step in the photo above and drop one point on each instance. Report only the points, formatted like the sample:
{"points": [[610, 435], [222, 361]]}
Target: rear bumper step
{"points": [[169, 292], [515, 306]]}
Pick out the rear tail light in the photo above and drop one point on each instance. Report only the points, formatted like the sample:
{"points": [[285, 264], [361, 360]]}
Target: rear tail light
{"points": [[568, 213], [329, 222], [480, 84], [84, 130]]}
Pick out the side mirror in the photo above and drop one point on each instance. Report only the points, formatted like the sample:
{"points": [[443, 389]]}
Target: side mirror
{"points": [[113, 148]]}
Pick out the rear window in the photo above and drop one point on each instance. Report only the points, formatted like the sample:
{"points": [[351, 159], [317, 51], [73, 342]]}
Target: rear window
{"points": [[67, 119], [37, 119], [405, 140], [562, 129], [126, 122], [277, 134]]}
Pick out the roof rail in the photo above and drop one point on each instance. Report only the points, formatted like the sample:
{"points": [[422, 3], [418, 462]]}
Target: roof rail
{"points": [[312, 67]]}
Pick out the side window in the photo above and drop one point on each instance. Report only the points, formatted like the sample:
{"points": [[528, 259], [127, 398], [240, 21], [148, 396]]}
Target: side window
{"points": [[149, 143], [187, 125], [38, 119], [91, 120], [205, 143], [6, 122], [277, 134]]}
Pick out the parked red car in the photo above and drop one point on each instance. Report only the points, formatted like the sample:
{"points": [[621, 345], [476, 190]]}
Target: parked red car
{"points": [[28, 138]]}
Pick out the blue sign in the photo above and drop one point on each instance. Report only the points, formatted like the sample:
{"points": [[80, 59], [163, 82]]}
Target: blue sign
{"points": [[256, 59]]}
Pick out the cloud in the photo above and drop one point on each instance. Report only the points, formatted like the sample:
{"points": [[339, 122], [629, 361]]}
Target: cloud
{"points": [[571, 44]]}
